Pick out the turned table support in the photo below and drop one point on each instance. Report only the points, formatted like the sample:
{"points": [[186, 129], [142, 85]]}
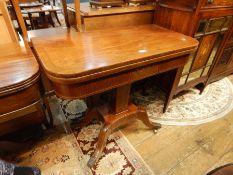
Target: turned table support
{"points": [[120, 113]]}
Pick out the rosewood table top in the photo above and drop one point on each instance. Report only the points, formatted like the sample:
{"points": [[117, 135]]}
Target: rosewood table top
{"points": [[18, 67], [74, 57]]}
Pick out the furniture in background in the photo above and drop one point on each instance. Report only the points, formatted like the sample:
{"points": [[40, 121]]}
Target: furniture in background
{"points": [[223, 170], [118, 3], [44, 16], [112, 59], [209, 21], [106, 3], [20, 97], [115, 17], [30, 4]]}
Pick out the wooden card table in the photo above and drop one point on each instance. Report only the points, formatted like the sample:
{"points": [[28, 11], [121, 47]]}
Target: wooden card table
{"points": [[20, 100], [84, 64]]}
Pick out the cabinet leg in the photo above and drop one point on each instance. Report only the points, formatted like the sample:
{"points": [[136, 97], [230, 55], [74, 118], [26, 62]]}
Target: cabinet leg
{"points": [[176, 74]]}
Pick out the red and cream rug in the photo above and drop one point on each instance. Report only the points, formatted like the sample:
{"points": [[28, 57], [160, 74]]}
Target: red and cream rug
{"points": [[58, 153], [188, 107]]}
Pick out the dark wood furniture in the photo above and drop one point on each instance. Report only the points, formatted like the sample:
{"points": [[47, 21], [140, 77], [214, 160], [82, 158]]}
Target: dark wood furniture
{"points": [[80, 65], [42, 10], [209, 21], [223, 170], [20, 100]]}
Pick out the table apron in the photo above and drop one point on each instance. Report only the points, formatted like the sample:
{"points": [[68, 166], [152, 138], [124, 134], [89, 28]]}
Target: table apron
{"points": [[96, 86]]}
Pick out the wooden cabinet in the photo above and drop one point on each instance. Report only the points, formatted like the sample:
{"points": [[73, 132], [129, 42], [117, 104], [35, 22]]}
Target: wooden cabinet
{"points": [[209, 21]]}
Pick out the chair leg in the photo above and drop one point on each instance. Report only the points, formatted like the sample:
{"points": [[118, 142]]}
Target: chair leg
{"points": [[50, 19], [56, 16]]}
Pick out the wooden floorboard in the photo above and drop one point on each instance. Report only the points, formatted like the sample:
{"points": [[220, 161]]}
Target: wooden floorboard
{"points": [[184, 150]]}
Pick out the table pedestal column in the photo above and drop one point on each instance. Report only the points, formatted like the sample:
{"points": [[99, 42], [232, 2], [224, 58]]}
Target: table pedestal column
{"points": [[121, 113]]}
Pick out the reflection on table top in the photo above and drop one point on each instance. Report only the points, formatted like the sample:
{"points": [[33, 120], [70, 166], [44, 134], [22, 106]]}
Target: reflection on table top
{"points": [[17, 66], [74, 54]]}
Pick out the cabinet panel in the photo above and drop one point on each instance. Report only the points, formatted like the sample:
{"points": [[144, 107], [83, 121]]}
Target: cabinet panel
{"points": [[231, 37], [215, 24], [227, 23], [224, 61], [182, 80], [226, 56], [216, 47], [188, 64], [194, 75], [206, 70], [204, 51]]}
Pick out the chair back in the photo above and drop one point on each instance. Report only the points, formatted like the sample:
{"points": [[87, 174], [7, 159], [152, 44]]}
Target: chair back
{"points": [[22, 25], [7, 31]]}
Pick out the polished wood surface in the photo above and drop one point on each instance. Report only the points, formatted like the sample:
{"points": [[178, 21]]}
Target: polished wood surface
{"points": [[20, 97], [98, 53], [224, 170], [18, 67], [85, 64]]}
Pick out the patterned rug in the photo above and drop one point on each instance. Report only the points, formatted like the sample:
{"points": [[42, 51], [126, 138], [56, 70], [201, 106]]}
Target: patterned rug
{"points": [[188, 107], [58, 153]]}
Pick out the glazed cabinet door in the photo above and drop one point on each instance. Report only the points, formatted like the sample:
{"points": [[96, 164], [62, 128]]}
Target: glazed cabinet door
{"points": [[225, 62], [210, 33]]}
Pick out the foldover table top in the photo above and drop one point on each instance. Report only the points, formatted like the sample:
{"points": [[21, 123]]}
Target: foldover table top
{"points": [[74, 56], [18, 67]]}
